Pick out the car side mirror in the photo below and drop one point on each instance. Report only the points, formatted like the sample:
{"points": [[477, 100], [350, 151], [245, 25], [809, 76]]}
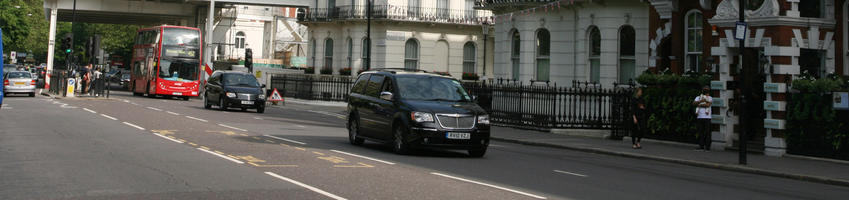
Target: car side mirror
{"points": [[386, 96]]}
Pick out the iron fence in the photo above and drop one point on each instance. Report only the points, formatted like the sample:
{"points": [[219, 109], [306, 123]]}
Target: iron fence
{"points": [[313, 87], [58, 84]]}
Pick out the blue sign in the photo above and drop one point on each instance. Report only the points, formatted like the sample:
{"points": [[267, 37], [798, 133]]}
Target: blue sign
{"points": [[740, 31], [1, 66]]}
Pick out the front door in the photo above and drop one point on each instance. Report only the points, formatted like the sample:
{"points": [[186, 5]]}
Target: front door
{"points": [[752, 86]]}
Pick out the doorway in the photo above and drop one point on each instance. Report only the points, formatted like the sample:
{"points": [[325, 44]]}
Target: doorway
{"points": [[752, 86]]}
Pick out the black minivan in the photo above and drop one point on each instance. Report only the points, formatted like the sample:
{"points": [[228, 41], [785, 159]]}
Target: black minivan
{"points": [[234, 89], [416, 109]]}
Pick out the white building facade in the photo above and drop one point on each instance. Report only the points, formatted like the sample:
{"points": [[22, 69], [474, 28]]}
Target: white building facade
{"points": [[561, 41], [433, 35], [241, 27]]}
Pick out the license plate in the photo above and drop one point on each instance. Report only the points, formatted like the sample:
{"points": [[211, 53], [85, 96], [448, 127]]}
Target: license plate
{"points": [[247, 102], [178, 93], [459, 136], [20, 83]]}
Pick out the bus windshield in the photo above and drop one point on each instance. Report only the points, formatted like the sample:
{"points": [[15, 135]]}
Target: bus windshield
{"points": [[180, 55]]}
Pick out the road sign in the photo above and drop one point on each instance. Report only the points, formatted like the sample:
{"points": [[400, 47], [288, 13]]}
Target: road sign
{"points": [[275, 96], [71, 84], [740, 31]]}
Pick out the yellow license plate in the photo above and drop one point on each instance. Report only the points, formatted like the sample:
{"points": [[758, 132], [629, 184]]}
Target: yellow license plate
{"points": [[20, 83]]}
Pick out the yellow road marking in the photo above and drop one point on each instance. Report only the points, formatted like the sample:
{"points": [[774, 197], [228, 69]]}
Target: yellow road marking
{"points": [[181, 140], [250, 159], [193, 144], [164, 132], [172, 137], [258, 165], [299, 148], [334, 159], [242, 134], [229, 133], [203, 147], [319, 153], [257, 138], [360, 165], [219, 152]]}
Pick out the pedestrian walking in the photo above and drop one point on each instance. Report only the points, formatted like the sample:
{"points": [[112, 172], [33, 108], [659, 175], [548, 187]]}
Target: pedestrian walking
{"points": [[703, 116], [638, 107]]}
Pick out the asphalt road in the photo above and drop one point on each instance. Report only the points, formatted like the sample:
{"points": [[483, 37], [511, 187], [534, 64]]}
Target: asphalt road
{"points": [[131, 147]]}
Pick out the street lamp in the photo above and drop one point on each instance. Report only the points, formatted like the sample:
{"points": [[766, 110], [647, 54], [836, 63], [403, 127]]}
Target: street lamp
{"points": [[485, 28], [368, 35]]}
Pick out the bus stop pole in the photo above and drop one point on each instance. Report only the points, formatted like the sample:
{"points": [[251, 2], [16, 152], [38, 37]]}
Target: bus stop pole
{"points": [[51, 44]]}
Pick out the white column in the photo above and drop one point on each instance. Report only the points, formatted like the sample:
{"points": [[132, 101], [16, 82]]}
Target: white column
{"points": [[51, 43], [210, 21]]}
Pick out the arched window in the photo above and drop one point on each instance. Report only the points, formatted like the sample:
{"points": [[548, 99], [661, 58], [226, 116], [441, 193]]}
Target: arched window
{"points": [[594, 54], [411, 54], [312, 52], [469, 57], [350, 53], [328, 53], [693, 58], [627, 59], [240, 40], [365, 53], [515, 48], [543, 48]]}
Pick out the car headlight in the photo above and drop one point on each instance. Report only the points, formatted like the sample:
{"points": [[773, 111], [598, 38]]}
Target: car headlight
{"points": [[483, 119], [421, 117], [261, 96], [231, 95]]}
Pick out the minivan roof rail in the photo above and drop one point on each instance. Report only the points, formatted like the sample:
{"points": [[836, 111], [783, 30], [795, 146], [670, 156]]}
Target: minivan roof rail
{"points": [[393, 70]]}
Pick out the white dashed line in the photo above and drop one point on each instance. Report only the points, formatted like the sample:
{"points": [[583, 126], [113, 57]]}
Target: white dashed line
{"points": [[91, 111], [306, 186], [133, 125], [258, 118], [284, 139], [152, 108], [222, 156], [234, 128], [490, 185], [195, 118], [364, 157], [173, 113], [301, 126], [173, 140], [107, 116], [570, 173]]}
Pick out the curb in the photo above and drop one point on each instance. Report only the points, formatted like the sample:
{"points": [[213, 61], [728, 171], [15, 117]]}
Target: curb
{"points": [[726, 167]]}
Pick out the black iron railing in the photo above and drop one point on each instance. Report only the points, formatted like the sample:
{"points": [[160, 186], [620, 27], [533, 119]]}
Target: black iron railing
{"points": [[400, 13], [313, 87]]}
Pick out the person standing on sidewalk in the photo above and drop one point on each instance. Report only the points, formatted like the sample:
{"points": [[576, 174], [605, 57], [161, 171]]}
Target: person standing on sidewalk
{"points": [[703, 116], [638, 107]]}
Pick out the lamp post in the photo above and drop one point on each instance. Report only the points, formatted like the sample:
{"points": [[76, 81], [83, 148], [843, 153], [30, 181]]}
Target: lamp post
{"points": [[368, 36], [743, 79], [485, 28]]}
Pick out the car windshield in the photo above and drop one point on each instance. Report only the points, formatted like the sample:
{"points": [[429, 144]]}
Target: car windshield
{"points": [[125, 76], [431, 88], [18, 75], [244, 80]]}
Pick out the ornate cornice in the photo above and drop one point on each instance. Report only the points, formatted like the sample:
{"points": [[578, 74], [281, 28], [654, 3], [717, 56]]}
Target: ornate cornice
{"points": [[665, 8], [728, 9]]}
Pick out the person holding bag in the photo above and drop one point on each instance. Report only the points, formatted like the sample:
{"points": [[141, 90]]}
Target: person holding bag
{"points": [[703, 116]]}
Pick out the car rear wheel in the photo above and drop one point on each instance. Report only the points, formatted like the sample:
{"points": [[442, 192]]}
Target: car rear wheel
{"points": [[354, 132], [221, 104], [477, 153], [399, 145]]}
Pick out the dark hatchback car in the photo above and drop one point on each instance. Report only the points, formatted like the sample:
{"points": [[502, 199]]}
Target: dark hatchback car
{"points": [[415, 109], [234, 89]]}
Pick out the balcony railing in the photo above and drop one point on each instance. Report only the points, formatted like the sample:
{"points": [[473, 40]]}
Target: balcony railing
{"points": [[400, 13], [510, 4]]}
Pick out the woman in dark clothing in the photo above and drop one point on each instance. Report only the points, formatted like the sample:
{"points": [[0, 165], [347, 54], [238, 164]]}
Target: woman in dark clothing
{"points": [[638, 107]]}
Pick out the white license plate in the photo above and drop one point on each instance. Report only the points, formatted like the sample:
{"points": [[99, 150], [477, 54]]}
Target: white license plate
{"points": [[178, 93], [247, 102], [459, 136]]}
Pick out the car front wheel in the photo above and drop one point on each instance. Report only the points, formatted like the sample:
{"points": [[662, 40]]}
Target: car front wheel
{"points": [[399, 145], [221, 104], [206, 104]]}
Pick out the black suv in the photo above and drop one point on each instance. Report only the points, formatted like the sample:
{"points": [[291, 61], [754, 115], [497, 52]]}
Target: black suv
{"points": [[416, 109], [234, 89]]}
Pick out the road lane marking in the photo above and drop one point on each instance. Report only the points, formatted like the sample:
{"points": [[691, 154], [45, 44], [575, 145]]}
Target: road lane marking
{"points": [[195, 118], [306, 186], [570, 173], [490, 185], [173, 140], [222, 156], [259, 118], [173, 113], [284, 139], [134, 103], [133, 125], [89, 110], [152, 108], [193, 144], [110, 117], [301, 126], [363, 157], [234, 128]]}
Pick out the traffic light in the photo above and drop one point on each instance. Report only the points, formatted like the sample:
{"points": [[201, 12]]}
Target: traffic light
{"points": [[66, 43], [249, 60]]}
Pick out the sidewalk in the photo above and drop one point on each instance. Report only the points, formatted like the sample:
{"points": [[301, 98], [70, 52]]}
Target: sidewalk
{"points": [[792, 167]]}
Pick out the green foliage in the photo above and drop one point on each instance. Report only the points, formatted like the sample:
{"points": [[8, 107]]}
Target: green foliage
{"points": [[813, 126], [669, 99]]}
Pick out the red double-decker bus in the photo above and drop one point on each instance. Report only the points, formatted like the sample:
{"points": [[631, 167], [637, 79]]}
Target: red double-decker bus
{"points": [[166, 61]]}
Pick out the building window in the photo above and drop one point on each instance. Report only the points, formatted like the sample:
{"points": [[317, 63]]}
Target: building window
{"points": [[543, 48], [328, 53], [240, 40], [812, 8], [411, 54], [469, 57], [627, 59], [812, 61], [470, 9], [365, 53], [350, 52], [413, 8], [312, 52], [514, 53], [693, 59], [595, 54], [442, 9]]}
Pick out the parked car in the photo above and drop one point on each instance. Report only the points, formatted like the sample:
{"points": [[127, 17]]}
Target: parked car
{"points": [[416, 109], [234, 89], [125, 80], [19, 82]]}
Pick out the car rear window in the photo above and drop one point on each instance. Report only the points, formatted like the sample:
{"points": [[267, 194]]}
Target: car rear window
{"points": [[18, 75]]}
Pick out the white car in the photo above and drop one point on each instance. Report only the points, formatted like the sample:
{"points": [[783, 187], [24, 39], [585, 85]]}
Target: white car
{"points": [[19, 82]]}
